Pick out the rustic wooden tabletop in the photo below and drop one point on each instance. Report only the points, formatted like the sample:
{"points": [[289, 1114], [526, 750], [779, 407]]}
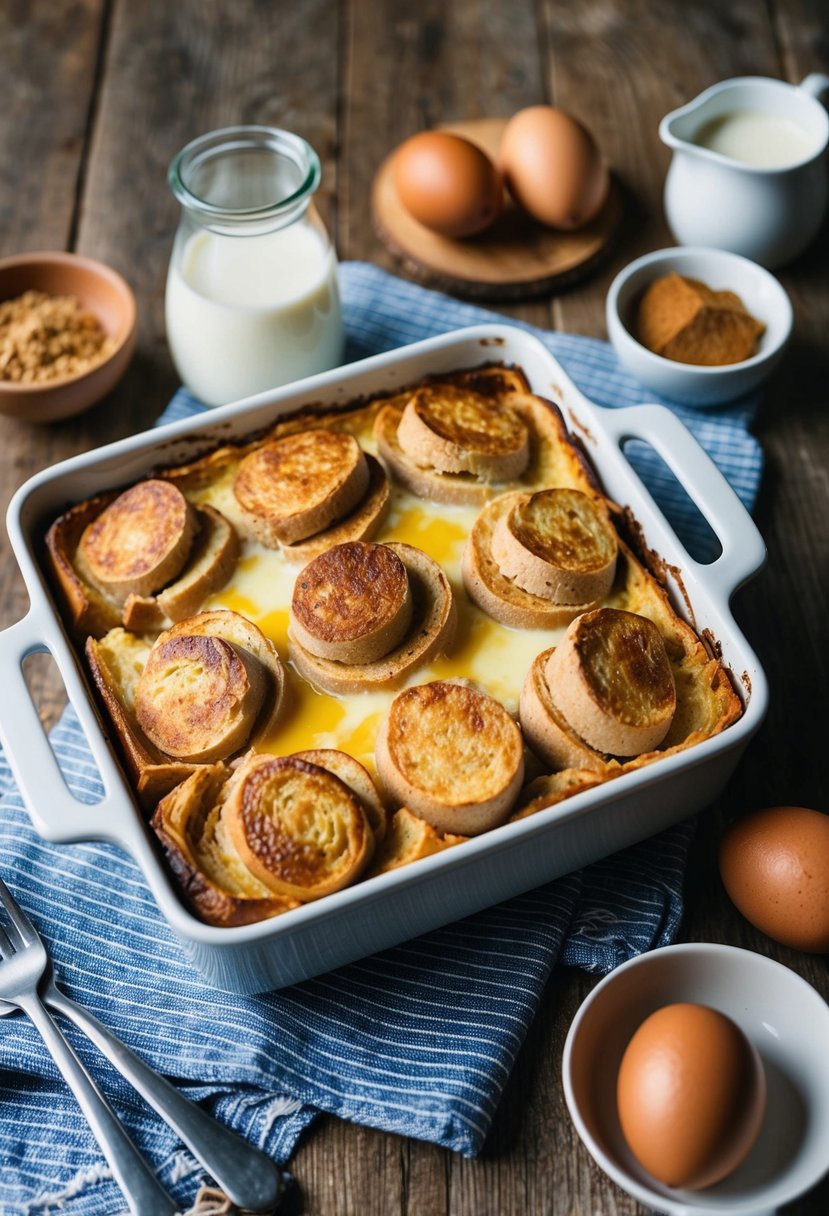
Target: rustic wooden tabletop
{"points": [[98, 95]]}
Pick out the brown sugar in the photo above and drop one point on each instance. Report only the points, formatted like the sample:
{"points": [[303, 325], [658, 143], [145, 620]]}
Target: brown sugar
{"points": [[44, 338], [684, 320]]}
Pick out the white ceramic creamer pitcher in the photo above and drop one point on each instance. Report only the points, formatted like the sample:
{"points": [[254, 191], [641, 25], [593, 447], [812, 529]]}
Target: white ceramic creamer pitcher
{"points": [[748, 172]]}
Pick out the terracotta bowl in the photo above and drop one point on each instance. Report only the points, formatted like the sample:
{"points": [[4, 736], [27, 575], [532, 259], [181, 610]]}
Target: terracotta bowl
{"points": [[105, 294]]}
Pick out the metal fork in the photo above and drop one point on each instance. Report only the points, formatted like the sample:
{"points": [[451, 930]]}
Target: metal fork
{"points": [[247, 1176]]}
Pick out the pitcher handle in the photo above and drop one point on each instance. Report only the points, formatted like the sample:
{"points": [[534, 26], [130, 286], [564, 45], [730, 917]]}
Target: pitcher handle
{"points": [[816, 83]]}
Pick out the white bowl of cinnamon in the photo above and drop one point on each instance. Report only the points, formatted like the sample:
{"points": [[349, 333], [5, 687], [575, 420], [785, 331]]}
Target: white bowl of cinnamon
{"points": [[698, 326]]}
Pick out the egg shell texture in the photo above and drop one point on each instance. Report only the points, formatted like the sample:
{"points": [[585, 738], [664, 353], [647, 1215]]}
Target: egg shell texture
{"points": [[447, 183], [553, 168], [774, 865], [690, 1095]]}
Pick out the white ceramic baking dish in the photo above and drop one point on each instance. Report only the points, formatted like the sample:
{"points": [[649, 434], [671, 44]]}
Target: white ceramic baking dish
{"points": [[396, 906]]}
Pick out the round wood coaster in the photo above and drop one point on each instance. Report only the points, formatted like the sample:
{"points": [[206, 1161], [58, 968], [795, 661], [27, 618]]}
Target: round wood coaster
{"points": [[516, 257]]}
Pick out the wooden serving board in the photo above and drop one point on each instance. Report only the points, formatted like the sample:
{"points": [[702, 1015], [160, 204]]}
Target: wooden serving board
{"points": [[516, 257]]}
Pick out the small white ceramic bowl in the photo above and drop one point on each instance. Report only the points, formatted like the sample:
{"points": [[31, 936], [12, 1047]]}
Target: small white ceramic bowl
{"points": [[782, 1015], [687, 383]]}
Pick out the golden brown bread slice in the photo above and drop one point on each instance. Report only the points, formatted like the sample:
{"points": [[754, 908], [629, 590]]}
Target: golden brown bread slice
{"points": [[549, 789], [298, 829], [554, 458], [454, 429], [86, 610], [213, 880], [139, 542], [463, 489], [90, 611], [211, 562], [352, 604], [364, 522], [706, 702], [117, 662], [408, 839], [558, 544], [430, 632], [291, 488], [554, 788], [611, 680], [358, 780], [547, 731], [451, 754], [254, 649], [199, 696], [191, 824], [496, 594]]}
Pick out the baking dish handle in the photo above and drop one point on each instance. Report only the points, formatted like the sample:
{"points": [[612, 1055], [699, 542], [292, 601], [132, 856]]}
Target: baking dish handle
{"points": [[743, 548], [55, 812]]}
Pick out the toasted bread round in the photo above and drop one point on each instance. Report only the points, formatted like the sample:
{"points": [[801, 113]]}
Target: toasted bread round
{"points": [[352, 773], [115, 663], [545, 729], [89, 612], [218, 887], [353, 603], [198, 696], [362, 523], [451, 428], [210, 563], [140, 541], [409, 839], [547, 791], [298, 829], [463, 489], [497, 595], [612, 680], [208, 701], [558, 544], [452, 755], [431, 631], [293, 487]]}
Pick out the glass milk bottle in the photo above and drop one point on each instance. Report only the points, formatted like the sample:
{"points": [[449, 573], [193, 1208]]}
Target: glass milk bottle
{"points": [[252, 299]]}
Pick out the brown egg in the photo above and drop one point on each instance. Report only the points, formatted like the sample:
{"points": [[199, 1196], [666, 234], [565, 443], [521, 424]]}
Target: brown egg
{"points": [[552, 167], [690, 1095], [447, 183], [774, 865]]}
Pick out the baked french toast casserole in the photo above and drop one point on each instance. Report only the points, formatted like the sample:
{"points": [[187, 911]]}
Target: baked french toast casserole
{"points": [[370, 634]]}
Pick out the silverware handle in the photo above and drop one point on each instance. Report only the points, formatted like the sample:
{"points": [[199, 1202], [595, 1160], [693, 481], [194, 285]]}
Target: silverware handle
{"points": [[144, 1193], [249, 1178]]}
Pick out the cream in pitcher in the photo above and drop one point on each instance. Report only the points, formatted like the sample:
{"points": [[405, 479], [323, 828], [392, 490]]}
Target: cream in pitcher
{"points": [[757, 137], [252, 300], [748, 172]]}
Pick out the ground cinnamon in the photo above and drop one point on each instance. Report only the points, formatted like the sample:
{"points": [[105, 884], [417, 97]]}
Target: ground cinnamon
{"points": [[683, 319]]}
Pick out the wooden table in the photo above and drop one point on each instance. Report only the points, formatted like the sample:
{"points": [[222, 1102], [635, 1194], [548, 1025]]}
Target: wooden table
{"points": [[98, 95]]}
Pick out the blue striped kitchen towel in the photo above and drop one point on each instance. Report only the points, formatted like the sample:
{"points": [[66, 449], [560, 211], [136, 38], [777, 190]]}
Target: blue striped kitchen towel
{"points": [[418, 1040]]}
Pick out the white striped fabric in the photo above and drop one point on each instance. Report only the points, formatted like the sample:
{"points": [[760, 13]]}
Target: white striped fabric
{"points": [[419, 1040]]}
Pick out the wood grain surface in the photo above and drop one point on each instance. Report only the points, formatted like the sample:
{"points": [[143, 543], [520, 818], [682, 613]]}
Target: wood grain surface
{"points": [[99, 95]]}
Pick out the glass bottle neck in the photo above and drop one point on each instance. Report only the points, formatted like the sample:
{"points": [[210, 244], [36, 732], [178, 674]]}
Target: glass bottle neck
{"points": [[245, 180]]}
